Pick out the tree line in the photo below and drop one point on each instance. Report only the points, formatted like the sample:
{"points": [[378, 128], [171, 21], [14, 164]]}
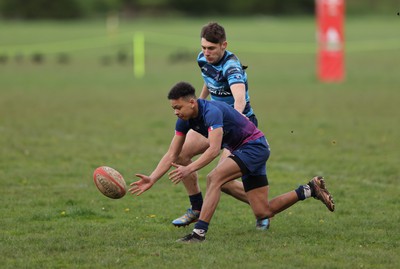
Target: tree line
{"points": [[75, 9]]}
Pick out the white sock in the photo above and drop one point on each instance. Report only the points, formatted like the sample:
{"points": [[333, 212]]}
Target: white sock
{"points": [[200, 232], [307, 191]]}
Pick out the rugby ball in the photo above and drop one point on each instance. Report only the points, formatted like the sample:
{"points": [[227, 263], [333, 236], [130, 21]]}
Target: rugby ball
{"points": [[109, 182]]}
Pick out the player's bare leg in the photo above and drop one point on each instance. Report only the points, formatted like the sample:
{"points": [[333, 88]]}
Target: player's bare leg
{"points": [[265, 210], [195, 144], [262, 208], [226, 170], [233, 188]]}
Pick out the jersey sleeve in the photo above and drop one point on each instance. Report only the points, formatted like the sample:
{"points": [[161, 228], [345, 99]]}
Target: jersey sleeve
{"points": [[213, 119], [233, 71], [181, 127]]}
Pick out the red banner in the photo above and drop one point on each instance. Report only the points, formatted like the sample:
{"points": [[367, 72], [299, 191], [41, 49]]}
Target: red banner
{"points": [[330, 37]]}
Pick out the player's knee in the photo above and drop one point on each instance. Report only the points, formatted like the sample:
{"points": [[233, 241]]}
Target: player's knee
{"points": [[209, 180], [213, 181], [226, 189], [263, 213], [229, 188], [184, 159]]}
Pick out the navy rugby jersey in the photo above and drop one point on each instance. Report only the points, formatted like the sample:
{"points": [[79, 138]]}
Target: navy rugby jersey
{"points": [[220, 76], [237, 129]]}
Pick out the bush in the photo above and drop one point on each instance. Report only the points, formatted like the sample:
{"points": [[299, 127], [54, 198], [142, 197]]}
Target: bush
{"points": [[40, 9], [69, 9]]}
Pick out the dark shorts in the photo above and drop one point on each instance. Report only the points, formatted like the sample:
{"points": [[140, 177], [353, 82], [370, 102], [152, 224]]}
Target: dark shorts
{"points": [[254, 120], [251, 158]]}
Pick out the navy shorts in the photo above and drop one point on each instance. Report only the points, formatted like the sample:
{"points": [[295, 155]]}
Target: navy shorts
{"points": [[254, 120], [251, 158]]}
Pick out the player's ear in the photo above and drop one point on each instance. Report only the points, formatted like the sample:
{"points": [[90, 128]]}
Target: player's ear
{"points": [[192, 102], [224, 44]]}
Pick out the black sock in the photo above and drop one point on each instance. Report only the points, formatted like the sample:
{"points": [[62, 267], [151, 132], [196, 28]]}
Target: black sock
{"points": [[201, 227], [196, 201], [312, 190]]}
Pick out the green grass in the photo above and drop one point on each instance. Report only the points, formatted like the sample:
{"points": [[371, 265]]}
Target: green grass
{"points": [[58, 122]]}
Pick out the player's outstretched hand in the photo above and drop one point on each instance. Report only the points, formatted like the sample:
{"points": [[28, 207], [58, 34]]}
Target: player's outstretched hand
{"points": [[141, 185], [179, 173]]}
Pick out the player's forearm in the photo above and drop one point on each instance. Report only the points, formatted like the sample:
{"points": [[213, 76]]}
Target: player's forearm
{"points": [[239, 94], [208, 156], [163, 166], [240, 105]]}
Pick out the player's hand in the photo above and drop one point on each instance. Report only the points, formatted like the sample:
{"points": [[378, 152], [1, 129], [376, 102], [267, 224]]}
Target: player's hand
{"points": [[141, 185], [179, 173]]}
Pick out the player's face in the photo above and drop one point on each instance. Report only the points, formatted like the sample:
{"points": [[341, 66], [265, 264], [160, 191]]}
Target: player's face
{"points": [[213, 51], [183, 108]]}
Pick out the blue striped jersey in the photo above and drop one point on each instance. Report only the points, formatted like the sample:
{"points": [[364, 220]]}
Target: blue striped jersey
{"points": [[220, 76]]}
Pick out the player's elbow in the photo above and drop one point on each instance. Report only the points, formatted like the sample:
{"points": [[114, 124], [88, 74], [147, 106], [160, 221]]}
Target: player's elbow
{"points": [[171, 157]]}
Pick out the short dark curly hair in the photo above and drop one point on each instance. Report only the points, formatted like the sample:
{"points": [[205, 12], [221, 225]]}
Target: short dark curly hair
{"points": [[182, 89], [213, 32]]}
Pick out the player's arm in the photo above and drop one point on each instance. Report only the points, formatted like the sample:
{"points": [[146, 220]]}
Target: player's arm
{"points": [[239, 94], [215, 140], [204, 92], [146, 182], [169, 157]]}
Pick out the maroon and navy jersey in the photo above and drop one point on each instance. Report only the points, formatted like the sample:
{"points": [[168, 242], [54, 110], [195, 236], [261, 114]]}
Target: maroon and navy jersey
{"points": [[237, 129]]}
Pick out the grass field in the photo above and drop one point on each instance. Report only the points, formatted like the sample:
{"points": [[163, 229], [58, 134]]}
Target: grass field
{"points": [[78, 106]]}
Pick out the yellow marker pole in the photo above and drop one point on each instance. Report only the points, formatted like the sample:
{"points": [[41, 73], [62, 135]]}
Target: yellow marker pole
{"points": [[138, 55]]}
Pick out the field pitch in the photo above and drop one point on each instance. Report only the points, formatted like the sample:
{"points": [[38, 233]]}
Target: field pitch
{"points": [[69, 102]]}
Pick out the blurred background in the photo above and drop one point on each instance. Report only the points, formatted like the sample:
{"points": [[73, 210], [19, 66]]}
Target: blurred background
{"points": [[72, 99], [74, 9]]}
